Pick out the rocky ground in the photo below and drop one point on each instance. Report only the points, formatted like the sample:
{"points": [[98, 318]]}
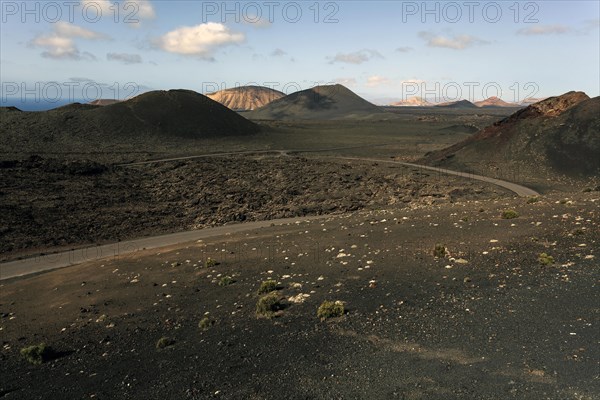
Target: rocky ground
{"points": [[487, 319], [49, 203]]}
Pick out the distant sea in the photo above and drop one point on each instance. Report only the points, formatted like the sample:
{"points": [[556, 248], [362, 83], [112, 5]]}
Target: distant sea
{"points": [[36, 105]]}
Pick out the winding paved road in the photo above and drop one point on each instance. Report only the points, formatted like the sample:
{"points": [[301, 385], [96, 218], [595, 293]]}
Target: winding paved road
{"points": [[44, 263], [520, 190], [33, 265], [249, 152]]}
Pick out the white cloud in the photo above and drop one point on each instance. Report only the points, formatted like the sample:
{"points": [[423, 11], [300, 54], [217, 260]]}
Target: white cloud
{"points": [[124, 58], [65, 29], [412, 82], [377, 80], [544, 30], [57, 47], [200, 40], [102, 6], [130, 12], [60, 43], [357, 57], [146, 10], [404, 49], [458, 42]]}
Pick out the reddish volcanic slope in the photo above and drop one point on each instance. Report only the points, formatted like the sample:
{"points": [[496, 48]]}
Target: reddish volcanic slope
{"points": [[556, 135]]}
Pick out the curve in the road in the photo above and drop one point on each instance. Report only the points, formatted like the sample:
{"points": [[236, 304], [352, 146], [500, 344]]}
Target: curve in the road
{"points": [[250, 152], [34, 265], [520, 190]]}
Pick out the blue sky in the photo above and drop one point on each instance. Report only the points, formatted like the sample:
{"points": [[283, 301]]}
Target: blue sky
{"points": [[383, 50]]}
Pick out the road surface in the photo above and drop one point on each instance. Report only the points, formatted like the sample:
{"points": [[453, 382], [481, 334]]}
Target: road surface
{"points": [[520, 190], [33, 265], [249, 152], [44, 263]]}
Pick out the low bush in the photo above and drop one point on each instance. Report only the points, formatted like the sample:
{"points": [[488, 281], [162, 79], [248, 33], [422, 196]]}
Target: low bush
{"points": [[210, 263], [37, 354], [439, 251], [226, 281], [205, 323], [545, 259], [509, 214], [268, 304], [330, 309], [267, 286], [164, 342]]}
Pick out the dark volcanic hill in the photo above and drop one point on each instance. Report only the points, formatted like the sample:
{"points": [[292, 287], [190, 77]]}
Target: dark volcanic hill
{"points": [[319, 103], [557, 136], [246, 98], [457, 104], [156, 116]]}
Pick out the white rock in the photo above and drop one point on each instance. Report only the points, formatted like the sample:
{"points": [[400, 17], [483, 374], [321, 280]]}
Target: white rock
{"points": [[299, 298]]}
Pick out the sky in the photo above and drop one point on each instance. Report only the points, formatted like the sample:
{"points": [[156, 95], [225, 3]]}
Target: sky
{"points": [[385, 51]]}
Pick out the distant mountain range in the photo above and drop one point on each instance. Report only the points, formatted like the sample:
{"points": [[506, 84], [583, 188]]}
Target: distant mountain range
{"points": [[246, 98], [412, 102], [490, 102], [320, 103], [495, 102]]}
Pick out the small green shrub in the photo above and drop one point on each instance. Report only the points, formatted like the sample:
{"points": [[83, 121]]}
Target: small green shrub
{"points": [[533, 199], [330, 309], [37, 354], [578, 232], [164, 342], [267, 286], [545, 259], [226, 281], [210, 263], [205, 323], [509, 214], [268, 304], [439, 251]]}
